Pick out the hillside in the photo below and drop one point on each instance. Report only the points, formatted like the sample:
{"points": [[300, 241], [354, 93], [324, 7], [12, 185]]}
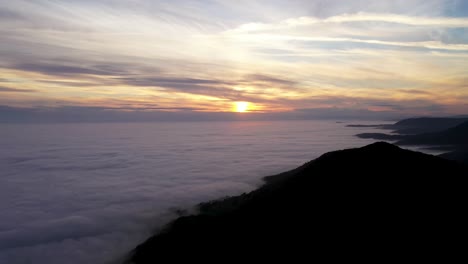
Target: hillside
{"points": [[350, 204]]}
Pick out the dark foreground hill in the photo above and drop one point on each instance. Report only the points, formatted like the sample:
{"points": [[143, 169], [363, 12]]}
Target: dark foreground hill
{"points": [[374, 203]]}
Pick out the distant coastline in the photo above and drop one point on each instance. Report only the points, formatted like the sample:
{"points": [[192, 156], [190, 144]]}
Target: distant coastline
{"points": [[449, 135]]}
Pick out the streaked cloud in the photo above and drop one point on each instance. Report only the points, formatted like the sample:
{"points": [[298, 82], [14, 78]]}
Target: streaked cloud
{"points": [[437, 22], [203, 56], [13, 90], [436, 45], [51, 69]]}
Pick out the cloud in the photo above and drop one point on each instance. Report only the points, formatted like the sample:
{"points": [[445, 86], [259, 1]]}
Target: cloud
{"points": [[55, 69], [85, 217], [198, 57], [415, 91], [13, 90], [327, 107], [153, 108], [455, 22], [105, 61], [304, 21], [436, 45], [74, 227], [7, 15], [270, 80], [248, 88], [171, 82], [342, 113], [84, 83]]}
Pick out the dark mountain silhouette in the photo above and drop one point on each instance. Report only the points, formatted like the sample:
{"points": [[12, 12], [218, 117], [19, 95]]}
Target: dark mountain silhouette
{"points": [[372, 126], [426, 125], [460, 155], [419, 125], [374, 203], [454, 139], [456, 136], [380, 136]]}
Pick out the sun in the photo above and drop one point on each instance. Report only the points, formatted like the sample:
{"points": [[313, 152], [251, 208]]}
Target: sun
{"points": [[241, 107]]}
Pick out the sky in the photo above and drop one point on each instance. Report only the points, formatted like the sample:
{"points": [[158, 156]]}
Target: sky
{"points": [[182, 59]]}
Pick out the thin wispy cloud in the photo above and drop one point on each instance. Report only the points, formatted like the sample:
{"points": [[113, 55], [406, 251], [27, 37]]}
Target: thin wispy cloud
{"points": [[13, 90], [207, 55], [434, 22]]}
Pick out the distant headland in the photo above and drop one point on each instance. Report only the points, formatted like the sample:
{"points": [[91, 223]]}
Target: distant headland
{"points": [[445, 134]]}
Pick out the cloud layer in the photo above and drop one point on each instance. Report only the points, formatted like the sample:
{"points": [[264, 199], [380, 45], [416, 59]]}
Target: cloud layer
{"points": [[76, 193]]}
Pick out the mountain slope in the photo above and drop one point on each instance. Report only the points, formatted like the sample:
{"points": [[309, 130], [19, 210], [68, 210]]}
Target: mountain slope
{"points": [[348, 204]]}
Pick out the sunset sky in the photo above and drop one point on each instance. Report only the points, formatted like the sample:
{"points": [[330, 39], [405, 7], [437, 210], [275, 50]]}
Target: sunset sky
{"points": [[402, 57]]}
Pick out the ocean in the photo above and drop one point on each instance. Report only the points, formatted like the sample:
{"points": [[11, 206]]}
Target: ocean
{"points": [[89, 193]]}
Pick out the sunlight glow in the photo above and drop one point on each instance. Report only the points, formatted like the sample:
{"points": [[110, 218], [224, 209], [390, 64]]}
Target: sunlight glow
{"points": [[241, 107]]}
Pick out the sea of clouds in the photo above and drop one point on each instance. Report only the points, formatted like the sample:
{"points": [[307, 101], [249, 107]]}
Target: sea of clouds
{"points": [[89, 193]]}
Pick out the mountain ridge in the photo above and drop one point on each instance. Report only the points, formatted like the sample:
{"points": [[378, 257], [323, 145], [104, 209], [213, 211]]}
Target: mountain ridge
{"points": [[346, 201]]}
